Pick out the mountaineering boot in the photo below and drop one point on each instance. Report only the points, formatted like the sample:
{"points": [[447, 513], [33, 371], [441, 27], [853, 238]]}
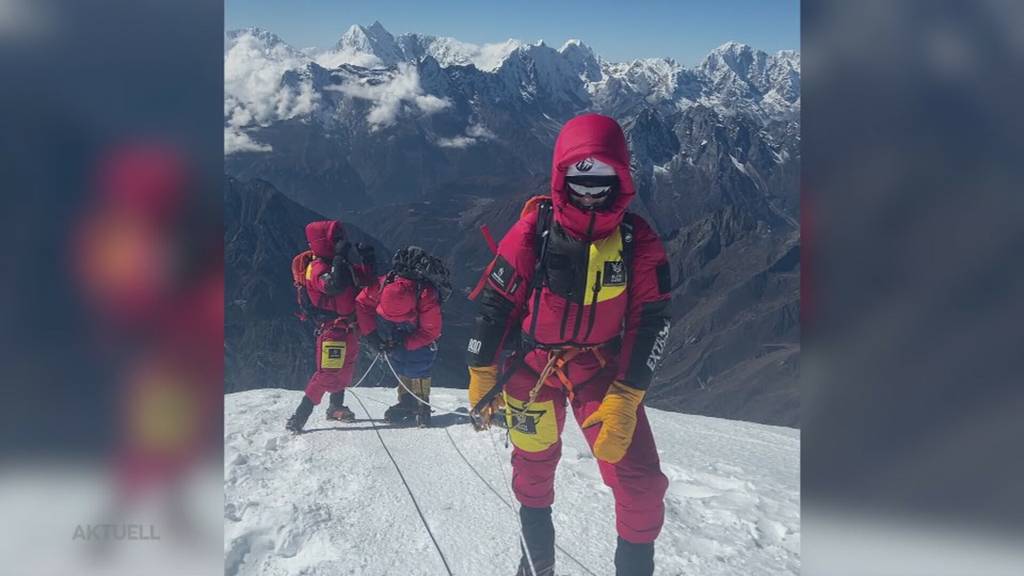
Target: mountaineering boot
{"points": [[337, 409], [298, 419], [403, 412], [539, 533], [634, 559]]}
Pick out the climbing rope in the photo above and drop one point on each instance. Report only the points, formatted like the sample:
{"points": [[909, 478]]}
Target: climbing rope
{"points": [[489, 486], [413, 394], [407, 488], [507, 503], [508, 485], [367, 373]]}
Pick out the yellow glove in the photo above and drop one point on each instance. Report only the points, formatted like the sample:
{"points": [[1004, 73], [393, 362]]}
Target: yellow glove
{"points": [[617, 416], [482, 379]]}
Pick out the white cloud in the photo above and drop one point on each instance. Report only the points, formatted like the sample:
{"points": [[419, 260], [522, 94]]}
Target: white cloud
{"points": [[335, 58], [475, 134], [253, 92], [237, 141], [391, 96], [479, 131], [456, 142]]}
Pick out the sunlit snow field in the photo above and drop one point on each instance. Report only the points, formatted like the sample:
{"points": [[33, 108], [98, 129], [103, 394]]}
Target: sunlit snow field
{"points": [[330, 501]]}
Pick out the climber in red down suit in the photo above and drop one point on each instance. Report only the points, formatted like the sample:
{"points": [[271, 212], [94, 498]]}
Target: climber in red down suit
{"points": [[587, 286], [328, 278], [401, 315]]}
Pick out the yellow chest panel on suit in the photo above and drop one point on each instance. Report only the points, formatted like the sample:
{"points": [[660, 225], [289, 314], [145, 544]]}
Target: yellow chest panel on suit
{"points": [[606, 269]]}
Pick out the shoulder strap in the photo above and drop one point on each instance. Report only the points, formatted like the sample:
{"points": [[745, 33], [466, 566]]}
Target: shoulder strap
{"points": [[542, 233], [628, 244]]}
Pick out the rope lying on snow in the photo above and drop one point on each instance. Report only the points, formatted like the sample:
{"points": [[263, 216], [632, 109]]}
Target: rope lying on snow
{"points": [[476, 472], [478, 475], [511, 496], [407, 488], [507, 502]]}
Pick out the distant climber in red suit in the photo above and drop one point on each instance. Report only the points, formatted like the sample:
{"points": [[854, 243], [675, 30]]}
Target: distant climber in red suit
{"points": [[401, 315], [327, 277]]}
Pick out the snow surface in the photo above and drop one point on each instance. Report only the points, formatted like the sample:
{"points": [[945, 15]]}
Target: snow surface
{"points": [[330, 501]]}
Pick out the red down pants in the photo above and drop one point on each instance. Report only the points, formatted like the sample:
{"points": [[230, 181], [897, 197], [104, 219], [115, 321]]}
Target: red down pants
{"points": [[337, 348], [636, 481]]}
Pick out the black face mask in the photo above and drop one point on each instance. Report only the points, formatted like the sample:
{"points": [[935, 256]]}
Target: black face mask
{"points": [[607, 185]]}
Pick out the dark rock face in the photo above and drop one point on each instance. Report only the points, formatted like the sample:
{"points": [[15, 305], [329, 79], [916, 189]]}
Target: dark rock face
{"points": [[734, 349]]}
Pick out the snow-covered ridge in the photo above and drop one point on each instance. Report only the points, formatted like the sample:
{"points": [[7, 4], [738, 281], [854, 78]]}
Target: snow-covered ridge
{"points": [[330, 501], [267, 80], [375, 46]]}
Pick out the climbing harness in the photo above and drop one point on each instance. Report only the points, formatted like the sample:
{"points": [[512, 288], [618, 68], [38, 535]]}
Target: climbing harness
{"points": [[557, 359]]}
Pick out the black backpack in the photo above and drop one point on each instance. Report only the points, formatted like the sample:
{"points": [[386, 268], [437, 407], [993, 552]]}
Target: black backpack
{"points": [[416, 264]]}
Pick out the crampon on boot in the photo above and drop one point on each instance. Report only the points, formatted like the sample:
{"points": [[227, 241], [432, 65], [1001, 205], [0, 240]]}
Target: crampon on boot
{"points": [[402, 413], [337, 410], [634, 559], [539, 533], [298, 419], [340, 413], [423, 416], [542, 569]]}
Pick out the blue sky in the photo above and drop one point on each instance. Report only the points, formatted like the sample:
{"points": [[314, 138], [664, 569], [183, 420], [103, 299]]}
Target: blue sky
{"points": [[621, 30]]}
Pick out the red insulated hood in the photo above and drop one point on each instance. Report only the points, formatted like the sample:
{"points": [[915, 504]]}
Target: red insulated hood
{"points": [[322, 236], [585, 136], [398, 301]]}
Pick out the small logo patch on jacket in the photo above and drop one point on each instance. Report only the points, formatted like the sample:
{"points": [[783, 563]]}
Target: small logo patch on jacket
{"points": [[526, 422], [614, 273], [502, 273]]}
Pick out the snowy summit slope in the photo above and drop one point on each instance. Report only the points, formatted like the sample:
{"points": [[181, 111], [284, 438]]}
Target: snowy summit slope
{"points": [[330, 501]]}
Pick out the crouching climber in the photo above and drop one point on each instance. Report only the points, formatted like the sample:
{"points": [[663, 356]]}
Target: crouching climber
{"points": [[400, 315]]}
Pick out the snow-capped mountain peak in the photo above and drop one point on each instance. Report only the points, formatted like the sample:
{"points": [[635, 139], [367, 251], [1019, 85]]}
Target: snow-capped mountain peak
{"points": [[374, 40], [739, 73], [451, 52], [574, 43], [733, 56], [270, 45], [582, 58]]}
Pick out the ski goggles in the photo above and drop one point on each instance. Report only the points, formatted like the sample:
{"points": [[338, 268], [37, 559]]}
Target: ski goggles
{"points": [[594, 187]]}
